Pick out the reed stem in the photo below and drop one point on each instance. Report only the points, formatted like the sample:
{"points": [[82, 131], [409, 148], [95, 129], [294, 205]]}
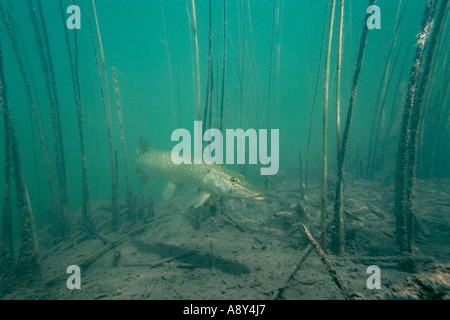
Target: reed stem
{"points": [[28, 252], [104, 88], [314, 101], [7, 250], [339, 234], [224, 62], [323, 203], [405, 169], [122, 136], [12, 34], [207, 121], [197, 58], [382, 93], [169, 65], [74, 67], [57, 134], [338, 78], [415, 120], [269, 98]]}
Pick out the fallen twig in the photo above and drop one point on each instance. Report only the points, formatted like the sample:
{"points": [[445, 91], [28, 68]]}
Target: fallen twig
{"points": [[387, 259], [88, 261], [277, 293], [337, 280]]}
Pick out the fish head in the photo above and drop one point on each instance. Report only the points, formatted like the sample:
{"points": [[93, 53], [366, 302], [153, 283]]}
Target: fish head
{"points": [[227, 183]]}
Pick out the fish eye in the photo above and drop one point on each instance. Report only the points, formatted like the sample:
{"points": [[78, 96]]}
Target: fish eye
{"points": [[234, 180]]}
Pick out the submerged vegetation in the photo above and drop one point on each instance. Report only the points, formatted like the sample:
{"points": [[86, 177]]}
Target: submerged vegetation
{"points": [[254, 67]]}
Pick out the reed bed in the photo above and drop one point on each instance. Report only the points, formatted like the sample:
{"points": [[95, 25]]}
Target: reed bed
{"points": [[103, 74]]}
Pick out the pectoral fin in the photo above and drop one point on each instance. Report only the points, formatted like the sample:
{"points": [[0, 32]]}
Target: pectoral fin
{"points": [[214, 197], [144, 180], [170, 188], [200, 198]]}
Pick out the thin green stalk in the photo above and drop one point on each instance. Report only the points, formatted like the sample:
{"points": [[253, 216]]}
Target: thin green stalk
{"points": [[122, 136], [169, 64], [314, 101], [197, 58], [107, 111], [224, 62], [325, 102], [382, 93], [207, 122], [269, 98], [338, 78], [338, 242]]}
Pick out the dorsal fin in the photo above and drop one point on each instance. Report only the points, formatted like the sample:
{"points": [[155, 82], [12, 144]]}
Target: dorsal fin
{"points": [[145, 145]]}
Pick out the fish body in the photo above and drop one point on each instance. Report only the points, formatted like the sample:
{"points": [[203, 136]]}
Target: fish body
{"points": [[211, 179]]}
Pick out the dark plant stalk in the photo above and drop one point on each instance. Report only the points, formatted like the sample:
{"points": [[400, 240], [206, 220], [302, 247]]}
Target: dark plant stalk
{"points": [[74, 67], [377, 161], [314, 101], [122, 136], [209, 79], [395, 111], [302, 183], [415, 119], [382, 93], [339, 234], [442, 123], [28, 252], [402, 209], [7, 250], [50, 82], [434, 115], [12, 34]]}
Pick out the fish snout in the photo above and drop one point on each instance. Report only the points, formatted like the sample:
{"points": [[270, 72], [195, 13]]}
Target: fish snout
{"points": [[260, 197]]}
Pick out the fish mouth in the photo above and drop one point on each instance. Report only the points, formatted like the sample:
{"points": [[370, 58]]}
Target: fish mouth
{"points": [[255, 196], [249, 191], [259, 197]]}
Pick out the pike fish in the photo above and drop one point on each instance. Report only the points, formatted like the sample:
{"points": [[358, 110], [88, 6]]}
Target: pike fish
{"points": [[212, 180]]}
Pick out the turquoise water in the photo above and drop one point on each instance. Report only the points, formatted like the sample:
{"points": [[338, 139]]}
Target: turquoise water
{"points": [[274, 79]]}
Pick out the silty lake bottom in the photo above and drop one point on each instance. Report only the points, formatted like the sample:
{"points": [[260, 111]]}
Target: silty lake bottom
{"points": [[93, 207]]}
